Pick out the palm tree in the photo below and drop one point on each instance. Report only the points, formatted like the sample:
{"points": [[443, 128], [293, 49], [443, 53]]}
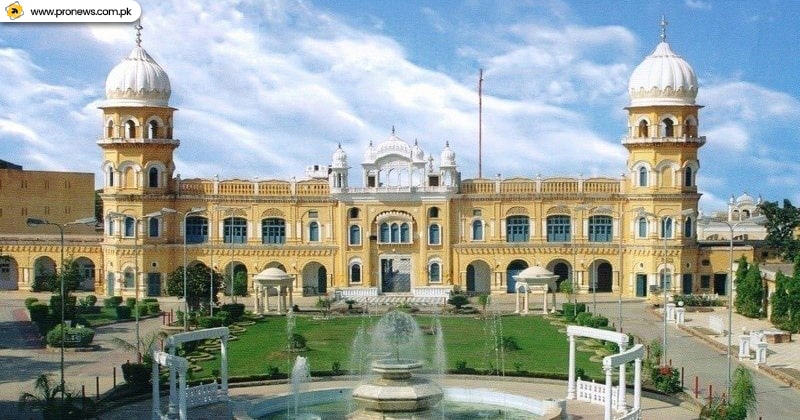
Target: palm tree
{"points": [[47, 399]]}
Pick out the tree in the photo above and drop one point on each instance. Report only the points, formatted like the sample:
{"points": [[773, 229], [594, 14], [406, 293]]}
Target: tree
{"points": [[47, 399], [749, 289], [484, 300], [742, 399], [198, 284], [780, 300], [458, 301], [781, 224]]}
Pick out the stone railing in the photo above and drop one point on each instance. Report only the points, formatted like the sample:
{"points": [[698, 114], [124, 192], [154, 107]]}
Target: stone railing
{"points": [[356, 292], [595, 393], [631, 415], [517, 186], [201, 395]]}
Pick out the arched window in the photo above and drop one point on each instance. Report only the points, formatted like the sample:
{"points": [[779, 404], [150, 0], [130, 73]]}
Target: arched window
{"points": [[355, 235], [152, 178], [234, 230], [688, 227], [273, 231], [152, 128], [196, 230], [642, 176], [477, 230], [434, 237], [558, 229], [130, 129], [435, 272], [642, 231], [355, 273], [130, 227], [666, 228], [669, 129], [404, 233], [313, 232], [385, 236], [110, 129], [642, 128], [130, 278], [433, 212], [665, 278], [395, 233], [687, 177], [153, 227], [600, 229], [353, 213], [517, 229], [110, 177]]}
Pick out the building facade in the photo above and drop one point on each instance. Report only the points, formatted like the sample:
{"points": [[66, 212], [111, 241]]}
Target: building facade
{"points": [[405, 222]]}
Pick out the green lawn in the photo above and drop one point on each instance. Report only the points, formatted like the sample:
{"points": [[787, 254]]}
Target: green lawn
{"points": [[543, 350]]}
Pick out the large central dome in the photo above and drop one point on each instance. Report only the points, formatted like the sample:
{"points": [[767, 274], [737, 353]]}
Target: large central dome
{"points": [[663, 78], [138, 81]]}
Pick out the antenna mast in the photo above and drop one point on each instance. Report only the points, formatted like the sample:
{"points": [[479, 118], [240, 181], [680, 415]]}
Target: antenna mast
{"points": [[480, 124]]}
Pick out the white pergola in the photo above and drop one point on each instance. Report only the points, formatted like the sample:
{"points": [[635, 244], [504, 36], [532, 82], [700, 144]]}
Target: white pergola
{"points": [[272, 278], [531, 279]]}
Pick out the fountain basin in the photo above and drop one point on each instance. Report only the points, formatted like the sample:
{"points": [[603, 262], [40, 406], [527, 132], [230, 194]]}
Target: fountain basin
{"points": [[396, 390]]}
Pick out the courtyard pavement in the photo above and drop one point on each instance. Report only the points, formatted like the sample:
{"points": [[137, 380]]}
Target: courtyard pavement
{"points": [[23, 358]]}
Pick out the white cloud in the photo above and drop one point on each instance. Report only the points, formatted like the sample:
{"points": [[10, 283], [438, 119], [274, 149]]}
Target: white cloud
{"points": [[698, 4], [732, 137]]}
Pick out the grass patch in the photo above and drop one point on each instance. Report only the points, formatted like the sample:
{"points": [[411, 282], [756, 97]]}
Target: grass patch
{"points": [[106, 316], [542, 349]]}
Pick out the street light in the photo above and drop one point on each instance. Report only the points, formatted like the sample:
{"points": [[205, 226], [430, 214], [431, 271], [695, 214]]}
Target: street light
{"points": [[705, 221], [193, 210], [32, 222], [582, 208], [136, 283], [642, 213]]}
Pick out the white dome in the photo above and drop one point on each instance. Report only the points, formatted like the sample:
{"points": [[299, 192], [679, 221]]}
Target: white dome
{"points": [[663, 78], [339, 158], [448, 157], [417, 153], [138, 81]]}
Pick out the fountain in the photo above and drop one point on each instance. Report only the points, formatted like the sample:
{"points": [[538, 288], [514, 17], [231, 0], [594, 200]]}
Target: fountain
{"points": [[393, 352]]}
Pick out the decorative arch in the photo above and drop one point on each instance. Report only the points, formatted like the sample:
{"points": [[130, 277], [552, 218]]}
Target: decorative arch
{"points": [[315, 279], [667, 124], [109, 126], [642, 127], [558, 209], [155, 171], [272, 212], [128, 127], [640, 174], [689, 172], [512, 269], [478, 277], [153, 127], [9, 268], [128, 172], [109, 174], [667, 170], [690, 126], [517, 211], [562, 268]]}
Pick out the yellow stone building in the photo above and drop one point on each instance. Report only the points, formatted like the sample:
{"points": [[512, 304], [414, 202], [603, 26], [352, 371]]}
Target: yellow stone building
{"points": [[404, 222]]}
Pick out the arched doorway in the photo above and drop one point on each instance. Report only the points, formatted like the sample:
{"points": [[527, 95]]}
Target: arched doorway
{"points": [[315, 277], [512, 270], [275, 264], [560, 268], [8, 274], [478, 278], [239, 271], [603, 277], [43, 269], [86, 270]]}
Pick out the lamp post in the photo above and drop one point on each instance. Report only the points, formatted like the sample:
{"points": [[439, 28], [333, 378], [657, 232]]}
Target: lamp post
{"points": [[758, 220], [32, 222], [193, 210], [582, 208]]}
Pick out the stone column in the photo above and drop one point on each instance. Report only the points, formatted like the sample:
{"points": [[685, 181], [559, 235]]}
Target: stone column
{"points": [[182, 395], [256, 302], [622, 405], [680, 315], [544, 307], [173, 392], [291, 301], [525, 299], [609, 395], [571, 377], [516, 310], [744, 347], [266, 297], [223, 354]]}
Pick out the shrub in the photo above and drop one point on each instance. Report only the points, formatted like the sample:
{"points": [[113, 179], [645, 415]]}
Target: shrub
{"points": [[509, 343], [461, 366], [597, 322], [136, 374], [571, 310], [112, 302], [583, 318], [69, 306], [130, 302], [209, 322], [666, 379], [73, 337], [153, 307], [235, 309], [297, 342], [141, 309], [336, 368], [273, 372], [90, 300], [123, 312], [30, 301], [224, 317], [458, 301], [40, 315], [150, 300]]}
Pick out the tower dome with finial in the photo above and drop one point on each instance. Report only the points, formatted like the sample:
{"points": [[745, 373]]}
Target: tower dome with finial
{"points": [[663, 78], [138, 80], [339, 158], [448, 156]]}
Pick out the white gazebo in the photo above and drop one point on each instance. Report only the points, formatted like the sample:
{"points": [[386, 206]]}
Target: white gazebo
{"points": [[272, 278], [531, 279]]}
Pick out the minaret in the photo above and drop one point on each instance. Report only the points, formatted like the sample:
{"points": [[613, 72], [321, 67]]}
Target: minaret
{"points": [[337, 178], [137, 137]]}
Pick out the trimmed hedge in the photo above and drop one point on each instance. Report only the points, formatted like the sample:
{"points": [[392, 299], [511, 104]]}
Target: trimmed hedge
{"points": [[136, 374], [90, 300], [123, 312], [153, 307], [570, 310], [73, 337], [112, 302], [130, 302], [209, 322], [69, 306], [235, 309], [30, 301], [141, 309]]}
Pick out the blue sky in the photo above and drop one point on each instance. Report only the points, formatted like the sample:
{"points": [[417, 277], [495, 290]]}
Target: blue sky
{"points": [[265, 89]]}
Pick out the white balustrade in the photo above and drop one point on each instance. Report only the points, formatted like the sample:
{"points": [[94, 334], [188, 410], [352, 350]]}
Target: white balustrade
{"points": [[716, 324], [595, 393]]}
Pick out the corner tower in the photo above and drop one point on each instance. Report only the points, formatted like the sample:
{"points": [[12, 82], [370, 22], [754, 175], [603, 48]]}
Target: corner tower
{"points": [[663, 122], [137, 137]]}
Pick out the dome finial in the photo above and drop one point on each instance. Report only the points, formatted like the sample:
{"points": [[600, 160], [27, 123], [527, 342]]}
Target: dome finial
{"points": [[138, 28], [663, 25], [392, 129]]}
